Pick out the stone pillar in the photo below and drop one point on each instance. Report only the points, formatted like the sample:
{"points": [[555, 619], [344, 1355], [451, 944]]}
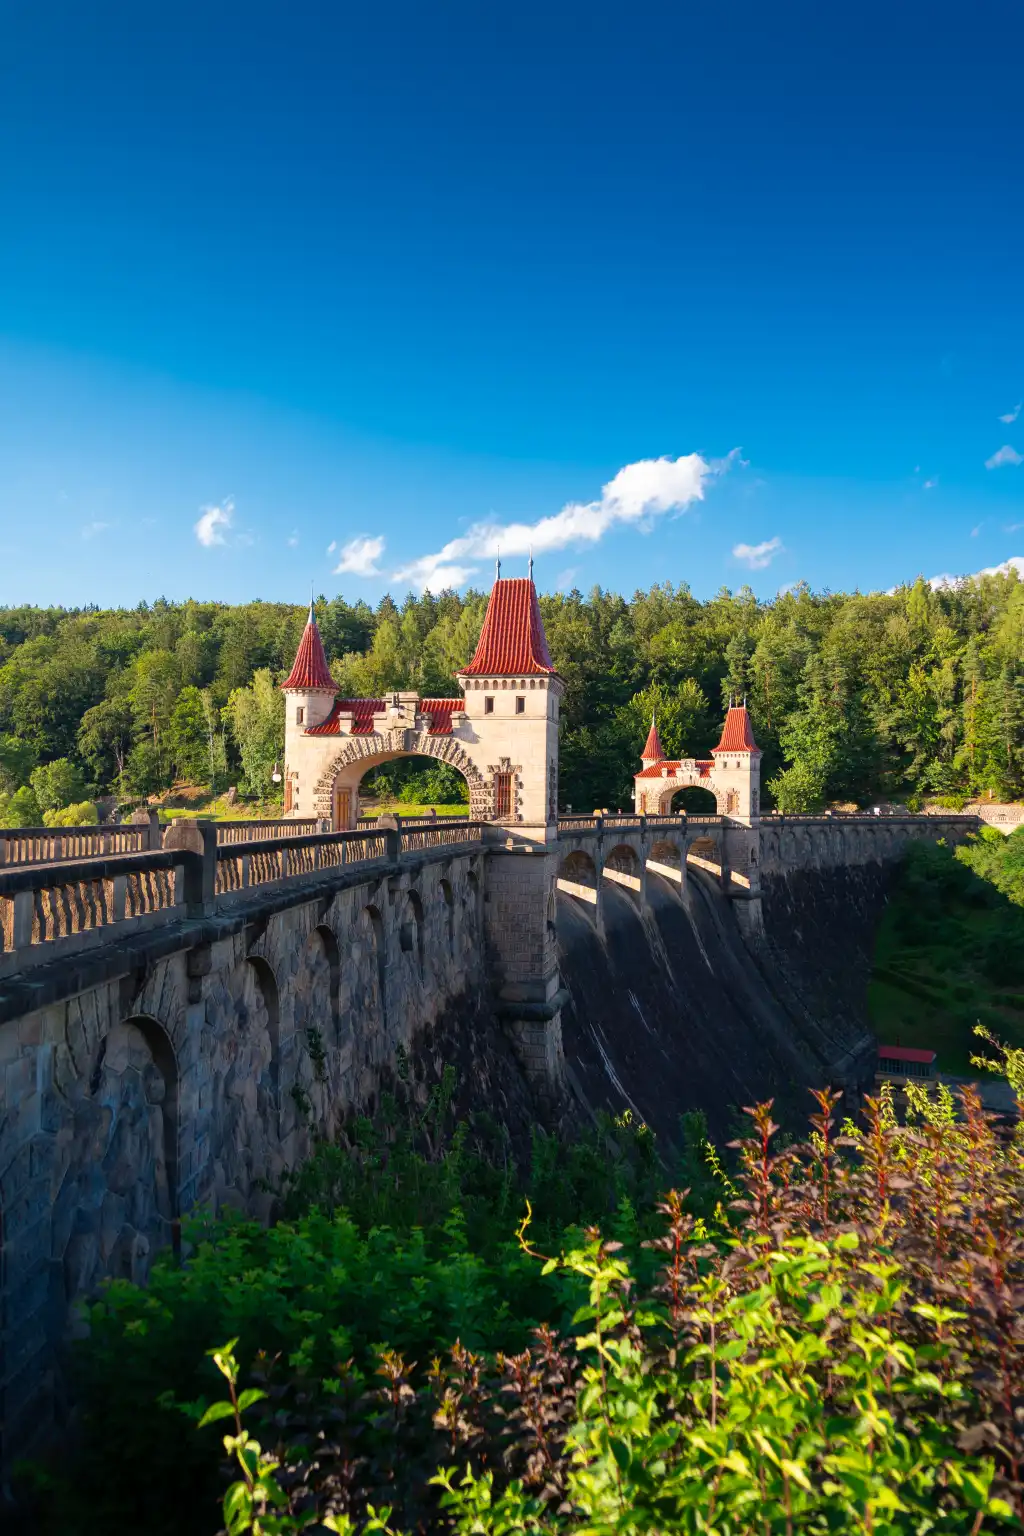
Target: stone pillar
{"points": [[741, 855], [522, 959]]}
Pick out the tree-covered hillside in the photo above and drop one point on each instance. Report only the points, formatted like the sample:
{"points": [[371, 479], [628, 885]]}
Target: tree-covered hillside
{"points": [[853, 696]]}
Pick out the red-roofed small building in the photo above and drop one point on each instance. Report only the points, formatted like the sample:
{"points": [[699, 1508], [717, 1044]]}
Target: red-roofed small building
{"points": [[732, 774], [501, 734]]}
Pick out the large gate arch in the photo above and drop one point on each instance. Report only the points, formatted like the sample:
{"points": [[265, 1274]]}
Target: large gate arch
{"points": [[367, 751], [668, 788]]}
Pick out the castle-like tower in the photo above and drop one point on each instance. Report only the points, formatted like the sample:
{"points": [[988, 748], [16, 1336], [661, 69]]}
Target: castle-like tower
{"points": [[501, 734], [732, 773]]}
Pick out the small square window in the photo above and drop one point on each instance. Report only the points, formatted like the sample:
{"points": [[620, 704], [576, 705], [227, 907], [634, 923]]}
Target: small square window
{"points": [[488, 706], [520, 706]]}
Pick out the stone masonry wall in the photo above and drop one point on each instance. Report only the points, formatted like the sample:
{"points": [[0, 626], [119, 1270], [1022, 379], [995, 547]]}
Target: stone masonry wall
{"points": [[194, 1079]]}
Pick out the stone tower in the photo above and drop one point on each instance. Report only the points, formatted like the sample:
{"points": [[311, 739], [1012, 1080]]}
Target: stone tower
{"points": [[512, 694], [309, 691], [737, 770]]}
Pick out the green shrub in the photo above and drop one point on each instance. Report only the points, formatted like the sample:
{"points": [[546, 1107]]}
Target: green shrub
{"points": [[84, 814], [842, 1351], [20, 809], [57, 784]]}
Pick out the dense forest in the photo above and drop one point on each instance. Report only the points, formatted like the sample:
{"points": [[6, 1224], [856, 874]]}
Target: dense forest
{"points": [[854, 697]]}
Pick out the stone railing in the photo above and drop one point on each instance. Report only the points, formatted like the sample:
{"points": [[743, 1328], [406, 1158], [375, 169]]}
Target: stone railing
{"points": [[49, 911], [77, 904], [52, 845], [575, 825], [240, 867], [446, 832], [775, 819], [252, 831]]}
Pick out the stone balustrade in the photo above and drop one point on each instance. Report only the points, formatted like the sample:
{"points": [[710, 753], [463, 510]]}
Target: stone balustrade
{"points": [[51, 845], [61, 908], [249, 831], [52, 910]]}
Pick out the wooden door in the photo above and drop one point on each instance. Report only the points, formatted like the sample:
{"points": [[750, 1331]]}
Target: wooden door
{"points": [[342, 809]]}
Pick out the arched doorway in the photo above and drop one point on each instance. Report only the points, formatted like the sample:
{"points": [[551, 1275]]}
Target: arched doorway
{"points": [[694, 800], [418, 772], [410, 786]]}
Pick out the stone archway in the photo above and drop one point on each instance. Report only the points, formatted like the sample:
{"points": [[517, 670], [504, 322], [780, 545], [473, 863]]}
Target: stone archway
{"points": [[671, 787], [365, 752]]}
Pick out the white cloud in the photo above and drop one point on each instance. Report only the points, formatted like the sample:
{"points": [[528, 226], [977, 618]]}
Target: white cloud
{"points": [[929, 485], [1014, 563], [293, 538], [332, 546], [92, 529], [637, 495], [1011, 416], [213, 524], [756, 556], [565, 579], [976, 530], [359, 556], [1004, 455]]}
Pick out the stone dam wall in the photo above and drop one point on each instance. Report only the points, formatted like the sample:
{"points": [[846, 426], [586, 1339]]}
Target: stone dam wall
{"points": [[189, 1055]]}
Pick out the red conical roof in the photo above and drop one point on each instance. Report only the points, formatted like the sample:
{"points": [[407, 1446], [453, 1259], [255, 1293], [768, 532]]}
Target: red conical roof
{"points": [[652, 752], [512, 639], [310, 669], [737, 732]]}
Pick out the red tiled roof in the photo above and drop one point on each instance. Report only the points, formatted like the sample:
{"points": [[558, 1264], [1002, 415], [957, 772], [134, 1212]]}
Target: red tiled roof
{"points": [[654, 771], [652, 752], [905, 1053], [440, 712], [512, 639], [361, 710], [310, 669], [737, 732]]}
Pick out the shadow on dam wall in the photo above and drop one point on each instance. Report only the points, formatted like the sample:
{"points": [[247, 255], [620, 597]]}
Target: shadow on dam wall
{"points": [[672, 1011]]}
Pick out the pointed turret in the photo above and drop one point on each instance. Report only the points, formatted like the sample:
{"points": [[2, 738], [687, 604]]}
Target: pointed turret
{"points": [[310, 672], [737, 732], [652, 752], [512, 641]]}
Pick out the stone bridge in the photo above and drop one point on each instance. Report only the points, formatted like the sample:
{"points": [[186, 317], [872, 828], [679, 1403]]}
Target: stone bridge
{"points": [[179, 1017]]}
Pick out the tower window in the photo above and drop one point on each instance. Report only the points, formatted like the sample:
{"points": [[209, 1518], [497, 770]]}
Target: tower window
{"points": [[520, 706], [502, 795], [300, 715], [488, 706]]}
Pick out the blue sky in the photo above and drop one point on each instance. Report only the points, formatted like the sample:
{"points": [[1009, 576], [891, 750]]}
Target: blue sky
{"points": [[302, 276]]}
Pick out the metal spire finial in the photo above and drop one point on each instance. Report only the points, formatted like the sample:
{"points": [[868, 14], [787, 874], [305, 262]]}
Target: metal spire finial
{"points": [[497, 564], [530, 566], [312, 615]]}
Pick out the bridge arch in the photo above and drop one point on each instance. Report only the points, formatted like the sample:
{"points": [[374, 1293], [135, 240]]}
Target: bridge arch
{"points": [[447, 896], [665, 859], [318, 992], [622, 867], [578, 878], [410, 933], [372, 928]]}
